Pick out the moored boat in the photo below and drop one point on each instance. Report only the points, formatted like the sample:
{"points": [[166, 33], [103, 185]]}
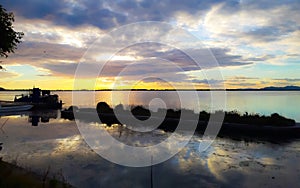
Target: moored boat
{"points": [[40, 99]]}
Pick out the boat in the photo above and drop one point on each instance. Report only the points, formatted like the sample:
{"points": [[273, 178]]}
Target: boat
{"points": [[40, 99], [14, 108]]}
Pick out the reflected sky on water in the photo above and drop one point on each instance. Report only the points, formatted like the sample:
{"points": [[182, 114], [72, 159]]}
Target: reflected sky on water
{"points": [[227, 163]]}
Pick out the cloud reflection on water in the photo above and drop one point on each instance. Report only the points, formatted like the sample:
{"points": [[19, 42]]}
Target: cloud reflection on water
{"points": [[227, 163]]}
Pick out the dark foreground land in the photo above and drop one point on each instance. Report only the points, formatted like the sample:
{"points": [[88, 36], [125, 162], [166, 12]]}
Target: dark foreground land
{"points": [[244, 127], [14, 176]]}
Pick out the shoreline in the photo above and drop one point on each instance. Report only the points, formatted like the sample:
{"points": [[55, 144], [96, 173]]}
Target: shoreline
{"points": [[154, 90], [235, 126], [12, 175]]}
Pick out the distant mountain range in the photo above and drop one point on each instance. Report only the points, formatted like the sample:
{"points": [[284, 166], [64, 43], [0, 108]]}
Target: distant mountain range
{"points": [[286, 88], [271, 88]]}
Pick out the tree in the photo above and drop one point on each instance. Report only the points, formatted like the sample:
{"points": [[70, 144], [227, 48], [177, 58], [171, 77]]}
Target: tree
{"points": [[9, 38]]}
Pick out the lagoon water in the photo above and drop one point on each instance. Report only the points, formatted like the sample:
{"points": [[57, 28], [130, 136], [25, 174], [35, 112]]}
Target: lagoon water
{"points": [[57, 143]]}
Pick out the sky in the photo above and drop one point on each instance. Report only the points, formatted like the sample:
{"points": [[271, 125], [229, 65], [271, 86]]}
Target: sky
{"points": [[128, 44]]}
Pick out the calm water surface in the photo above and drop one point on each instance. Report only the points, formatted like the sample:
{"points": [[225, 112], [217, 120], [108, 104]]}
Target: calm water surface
{"points": [[38, 142], [226, 163], [285, 103]]}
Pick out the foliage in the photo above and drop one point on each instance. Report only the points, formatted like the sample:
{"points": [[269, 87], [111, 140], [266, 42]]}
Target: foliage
{"points": [[230, 117], [9, 38]]}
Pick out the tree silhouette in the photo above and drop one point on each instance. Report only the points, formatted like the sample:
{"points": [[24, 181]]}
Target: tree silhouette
{"points": [[9, 38]]}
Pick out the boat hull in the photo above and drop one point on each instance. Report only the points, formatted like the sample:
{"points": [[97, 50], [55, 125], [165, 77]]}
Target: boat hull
{"points": [[15, 108]]}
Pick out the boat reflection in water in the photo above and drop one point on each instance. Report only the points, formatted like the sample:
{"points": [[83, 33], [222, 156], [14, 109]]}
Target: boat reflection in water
{"points": [[35, 117]]}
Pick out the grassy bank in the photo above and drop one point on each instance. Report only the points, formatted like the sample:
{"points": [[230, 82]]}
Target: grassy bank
{"points": [[14, 176], [235, 125], [229, 117]]}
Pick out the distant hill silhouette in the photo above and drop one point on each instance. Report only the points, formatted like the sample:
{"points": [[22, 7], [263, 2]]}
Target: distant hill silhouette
{"points": [[286, 88], [270, 88]]}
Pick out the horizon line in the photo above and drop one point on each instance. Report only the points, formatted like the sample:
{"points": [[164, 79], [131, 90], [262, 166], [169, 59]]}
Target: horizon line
{"points": [[272, 88]]}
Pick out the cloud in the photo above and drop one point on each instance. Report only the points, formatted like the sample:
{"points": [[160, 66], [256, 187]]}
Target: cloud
{"points": [[287, 79], [8, 75], [254, 20], [262, 58], [244, 78], [60, 59], [68, 13], [38, 53], [265, 34], [108, 14], [239, 34], [250, 22], [68, 69], [182, 59], [246, 82], [242, 85], [256, 29], [205, 81], [38, 30], [241, 82], [34, 9], [149, 60]]}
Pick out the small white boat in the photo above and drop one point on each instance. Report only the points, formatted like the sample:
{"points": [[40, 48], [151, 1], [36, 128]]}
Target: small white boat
{"points": [[15, 108]]}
